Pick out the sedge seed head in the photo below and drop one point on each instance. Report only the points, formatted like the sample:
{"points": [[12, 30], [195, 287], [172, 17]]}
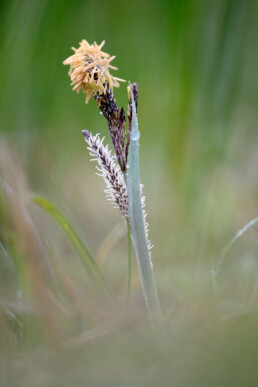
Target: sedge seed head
{"points": [[116, 189], [89, 69]]}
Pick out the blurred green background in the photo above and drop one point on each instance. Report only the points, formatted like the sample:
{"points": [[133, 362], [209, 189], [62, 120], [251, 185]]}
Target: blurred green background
{"points": [[195, 62]]}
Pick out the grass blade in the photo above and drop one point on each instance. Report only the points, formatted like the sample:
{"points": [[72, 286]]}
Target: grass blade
{"points": [[221, 256], [84, 254], [129, 262], [136, 220]]}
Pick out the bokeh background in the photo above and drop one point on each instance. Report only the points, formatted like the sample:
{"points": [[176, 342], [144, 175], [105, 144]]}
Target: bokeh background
{"points": [[195, 62]]}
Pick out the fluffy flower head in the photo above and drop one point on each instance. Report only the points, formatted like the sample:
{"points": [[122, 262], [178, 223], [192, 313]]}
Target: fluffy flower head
{"points": [[108, 168], [89, 69]]}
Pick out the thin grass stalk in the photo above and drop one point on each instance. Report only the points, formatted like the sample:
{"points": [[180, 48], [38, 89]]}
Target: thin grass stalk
{"points": [[129, 262], [137, 224], [84, 254], [217, 267]]}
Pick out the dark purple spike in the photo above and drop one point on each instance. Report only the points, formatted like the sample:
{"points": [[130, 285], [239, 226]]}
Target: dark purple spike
{"points": [[86, 133], [129, 115], [122, 114], [116, 123], [122, 127], [135, 94]]}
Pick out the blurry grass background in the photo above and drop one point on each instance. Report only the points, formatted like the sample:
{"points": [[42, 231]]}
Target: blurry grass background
{"points": [[195, 62]]}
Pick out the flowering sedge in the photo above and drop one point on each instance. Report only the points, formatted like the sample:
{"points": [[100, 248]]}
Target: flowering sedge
{"points": [[89, 72]]}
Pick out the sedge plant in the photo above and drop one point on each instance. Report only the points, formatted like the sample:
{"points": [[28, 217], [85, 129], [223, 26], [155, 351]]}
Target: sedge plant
{"points": [[89, 72]]}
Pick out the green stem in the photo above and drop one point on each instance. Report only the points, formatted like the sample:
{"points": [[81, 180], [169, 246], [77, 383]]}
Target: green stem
{"points": [[216, 270], [137, 225], [129, 262]]}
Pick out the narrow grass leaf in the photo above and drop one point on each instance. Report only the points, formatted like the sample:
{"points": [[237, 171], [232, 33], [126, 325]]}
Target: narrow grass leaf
{"points": [[129, 262], [215, 271], [137, 224], [83, 252]]}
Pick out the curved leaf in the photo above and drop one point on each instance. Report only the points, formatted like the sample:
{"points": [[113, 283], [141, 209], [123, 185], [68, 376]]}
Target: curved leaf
{"points": [[83, 252]]}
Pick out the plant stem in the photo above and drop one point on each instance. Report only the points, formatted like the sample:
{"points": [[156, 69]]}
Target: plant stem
{"points": [[216, 270], [137, 225], [129, 261]]}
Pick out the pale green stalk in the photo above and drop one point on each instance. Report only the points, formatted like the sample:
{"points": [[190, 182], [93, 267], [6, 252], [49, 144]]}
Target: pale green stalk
{"points": [[220, 259], [136, 220], [129, 261]]}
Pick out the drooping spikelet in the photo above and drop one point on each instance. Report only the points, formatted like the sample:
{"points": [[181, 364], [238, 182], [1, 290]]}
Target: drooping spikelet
{"points": [[89, 69], [108, 168]]}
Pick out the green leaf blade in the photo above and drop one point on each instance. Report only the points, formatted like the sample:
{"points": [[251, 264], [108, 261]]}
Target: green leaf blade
{"points": [[82, 251]]}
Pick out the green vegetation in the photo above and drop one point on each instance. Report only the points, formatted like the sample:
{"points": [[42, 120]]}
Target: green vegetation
{"points": [[195, 65]]}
